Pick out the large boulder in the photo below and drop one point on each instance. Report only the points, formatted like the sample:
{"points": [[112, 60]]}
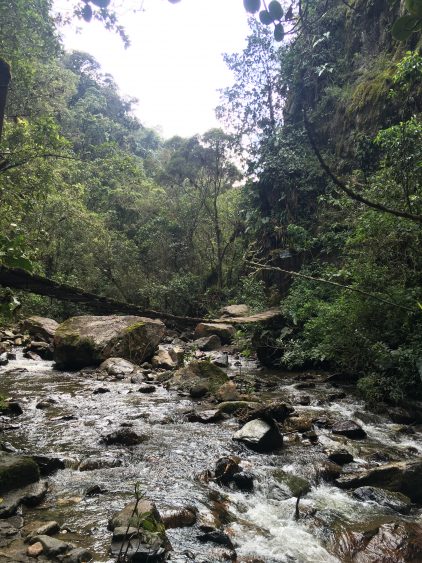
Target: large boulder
{"points": [[89, 340], [40, 328], [402, 477], [393, 542], [16, 472], [234, 311], [259, 436], [224, 331], [163, 359], [196, 375]]}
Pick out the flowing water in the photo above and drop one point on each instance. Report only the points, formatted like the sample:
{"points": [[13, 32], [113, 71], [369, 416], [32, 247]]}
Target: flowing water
{"points": [[261, 523]]}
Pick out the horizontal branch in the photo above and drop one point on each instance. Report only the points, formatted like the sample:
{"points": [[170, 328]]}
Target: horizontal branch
{"points": [[20, 279], [335, 284], [352, 194]]}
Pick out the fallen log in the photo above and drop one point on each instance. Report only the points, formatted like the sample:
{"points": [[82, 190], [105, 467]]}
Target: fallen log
{"points": [[16, 278]]}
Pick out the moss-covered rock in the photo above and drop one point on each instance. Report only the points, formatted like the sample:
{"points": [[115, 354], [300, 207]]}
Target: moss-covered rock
{"points": [[17, 472], [89, 340], [297, 486], [197, 373]]}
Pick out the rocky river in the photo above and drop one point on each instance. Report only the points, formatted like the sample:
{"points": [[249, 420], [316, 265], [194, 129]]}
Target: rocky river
{"points": [[344, 484]]}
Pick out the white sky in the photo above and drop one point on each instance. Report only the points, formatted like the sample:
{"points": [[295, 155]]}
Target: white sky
{"points": [[174, 65]]}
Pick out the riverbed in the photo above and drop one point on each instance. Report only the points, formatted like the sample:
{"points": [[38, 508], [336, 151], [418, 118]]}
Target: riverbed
{"points": [[261, 524]]}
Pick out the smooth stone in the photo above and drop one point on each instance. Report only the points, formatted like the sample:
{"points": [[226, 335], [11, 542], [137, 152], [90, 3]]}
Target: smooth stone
{"points": [[259, 436], [350, 429], [52, 546], [396, 501]]}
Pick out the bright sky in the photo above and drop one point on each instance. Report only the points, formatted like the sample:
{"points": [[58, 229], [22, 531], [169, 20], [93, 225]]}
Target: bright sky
{"points": [[174, 65]]}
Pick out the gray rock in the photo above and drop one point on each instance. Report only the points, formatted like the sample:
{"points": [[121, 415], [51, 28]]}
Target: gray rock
{"points": [[124, 437], [224, 331], [16, 471], [52, 546], [118, 366], [48, 529], [89, 340], [403, 477], [340, 456], [4, 360], [207, 343], [350, 429], [396, 501], [92, 463], [259, 436], [241, 310], [205, 417], [78, 555], [40, 328], [163, 359], [146, 388], [295, 485]]}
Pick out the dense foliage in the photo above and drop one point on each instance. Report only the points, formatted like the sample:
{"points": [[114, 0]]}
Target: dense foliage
{"points": [[90, 197]]}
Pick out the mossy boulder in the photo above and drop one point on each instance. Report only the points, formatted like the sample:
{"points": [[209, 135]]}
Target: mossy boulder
{"points": [[295, 485], [199, 373], [17, 472], [89, 340]]}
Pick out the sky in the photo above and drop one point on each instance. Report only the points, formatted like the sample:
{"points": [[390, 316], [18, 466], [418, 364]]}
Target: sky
{"points": [[174, 65]]}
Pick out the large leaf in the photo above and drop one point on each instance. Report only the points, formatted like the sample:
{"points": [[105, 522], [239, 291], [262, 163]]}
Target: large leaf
{"points": [[252, 6], [275, 10], [279, 32], [265, 17], [404, 27], [414, 7]]}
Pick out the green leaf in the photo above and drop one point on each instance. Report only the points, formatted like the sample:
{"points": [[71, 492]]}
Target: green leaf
{"points": [[18, 262], [101, 3], [279, 32], [265, 17], [404, 27], [414, 7], [87, 13], [252, 6], [275, 10]]}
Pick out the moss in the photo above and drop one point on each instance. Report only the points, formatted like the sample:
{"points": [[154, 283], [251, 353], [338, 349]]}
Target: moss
{"points": [[133, 327], [298, 486]]}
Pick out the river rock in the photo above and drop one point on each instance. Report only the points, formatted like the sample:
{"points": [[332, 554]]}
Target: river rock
{"points": [[35, 549], [52, 547], [350, 429], [234, 407], [205, 417], [224, 331], [241, 310], [4, 360], [48, 464], [118, 366], [243, 481], [394, 542], [225, 468], [396, 501], [207, 343], [259, 436], [198, 374], [152, 543], [16, 471], [403, 477], [89, 340], [228, 392], [40, 328], [179, 518], [93, 462], [276, 410], [163, 359], [124, 437], [43, 349], [297, 486], [78, 555], [340, 456]]}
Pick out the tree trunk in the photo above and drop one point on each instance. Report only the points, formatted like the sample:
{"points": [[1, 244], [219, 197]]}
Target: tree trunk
{"points": [[4, 84]]}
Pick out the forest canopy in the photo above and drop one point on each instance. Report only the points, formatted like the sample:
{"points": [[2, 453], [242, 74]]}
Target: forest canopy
{"points": [[307, 198]]}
